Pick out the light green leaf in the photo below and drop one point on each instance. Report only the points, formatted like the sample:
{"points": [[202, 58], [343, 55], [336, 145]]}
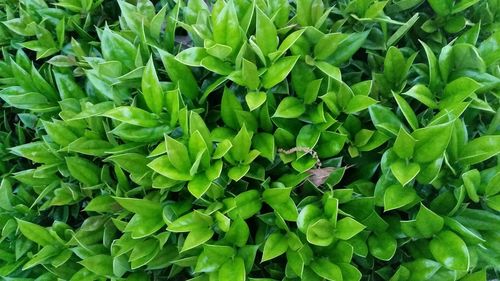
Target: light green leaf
{"points": [[276, 245], [233, 269], [431, 142], [290, 107], [177, 154], [404, 172], [397, 196], [479, 150], [278, 71], [265, 33], [151, 88], [347, 228], [404, 144], [382, 246]]}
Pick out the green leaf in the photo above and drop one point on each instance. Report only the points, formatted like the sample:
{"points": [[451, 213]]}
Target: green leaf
{"points": [[35, 233], [83, 170], [45, 255], [382, 246], [347, 228], [359, 103], [493, 202], [278, 71], [99, 264], [478, 275], [248, 203], [180, 74], [35, 151], [199, 185], [431, 142], [350, 272], [229, 106], [192, 56], [422, 269], [59, 132], [116, 48], [428, 222], [441, 7], [478, 219], [144, 224], [326, 269], [226, 28], [178, 154], [276, 245], [408, 113], [233, 269], [394, 59], [93, 147], [402, 30], [213, 257], [196, 237], [134, 116], [67, 86], [434, 79], [450, 250], [238, 233], [309, 214], [250, 75], [287, 43], [151, 89], [404, 172], [348, 47], [327, 45], [397, 196], [422, 94], [479, 150], [457, 91], [384, 119], [139, 206], [330, 144], [290, 107], [404, 144], [330, 70], [320, 233], [264, 143], [241, 145], [265, 33], [102, 204], [472, 181], [190, 221]]}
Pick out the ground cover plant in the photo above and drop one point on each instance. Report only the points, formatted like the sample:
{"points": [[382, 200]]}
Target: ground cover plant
{"points": [[250, 140]]}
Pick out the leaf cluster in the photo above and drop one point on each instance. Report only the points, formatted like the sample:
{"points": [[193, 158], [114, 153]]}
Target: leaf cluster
{"points": [[250, 140]]}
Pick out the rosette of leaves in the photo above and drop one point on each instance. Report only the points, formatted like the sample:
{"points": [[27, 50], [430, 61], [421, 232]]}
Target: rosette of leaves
{"points": [[249, 140]]}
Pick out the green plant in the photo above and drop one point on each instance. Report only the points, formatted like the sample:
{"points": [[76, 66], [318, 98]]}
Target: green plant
{"points": [[250, 140]]}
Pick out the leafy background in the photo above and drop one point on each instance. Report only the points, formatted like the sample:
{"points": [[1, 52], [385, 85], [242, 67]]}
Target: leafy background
{"points": [[250, 140]]}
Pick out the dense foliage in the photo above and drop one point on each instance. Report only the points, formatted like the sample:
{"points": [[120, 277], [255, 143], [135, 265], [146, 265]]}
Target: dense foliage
{"points": [[250, 140]]}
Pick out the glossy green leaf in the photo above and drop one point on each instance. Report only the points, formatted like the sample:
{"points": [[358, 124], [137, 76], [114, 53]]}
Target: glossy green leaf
{"points": [[431, 142], [327, 270], [479, 149], [290, 107], [397, 196], [404, 172], [276, 245], [428, 222], [278, 71], [347, 227], [450, 250], [151, 88], [382, 246]]}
